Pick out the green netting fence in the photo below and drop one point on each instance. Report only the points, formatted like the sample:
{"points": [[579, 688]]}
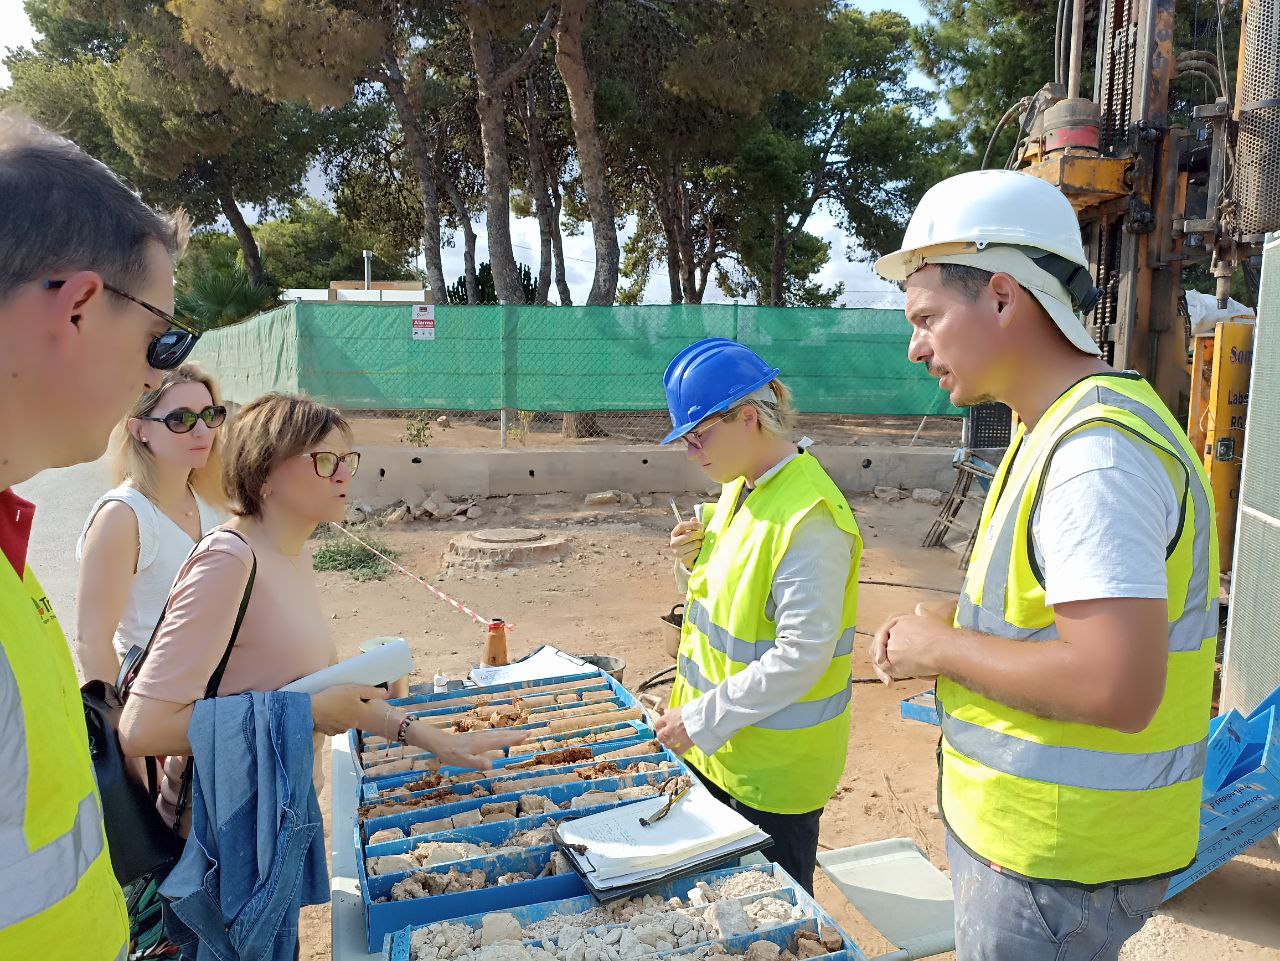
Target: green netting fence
{"points": [[562, 359]]}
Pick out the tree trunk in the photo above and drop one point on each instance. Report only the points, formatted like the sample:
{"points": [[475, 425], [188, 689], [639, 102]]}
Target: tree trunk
{"points": [[582, 109], [248, 246], [538, 186], [557, 246], [468, 240], [672, 234], [491, 87], [497, 172], [415, 141], [778, 264], [575, 426], [664, 202], [687, 260]]}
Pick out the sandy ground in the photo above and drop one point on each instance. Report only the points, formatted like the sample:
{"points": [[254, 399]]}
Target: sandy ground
{"points": [[481, 429], [608, 598]]}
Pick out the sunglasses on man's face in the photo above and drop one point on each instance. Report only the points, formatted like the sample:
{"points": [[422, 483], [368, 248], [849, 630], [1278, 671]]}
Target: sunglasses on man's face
{"points": [[326, 462], [183, 419], [169, 349]]}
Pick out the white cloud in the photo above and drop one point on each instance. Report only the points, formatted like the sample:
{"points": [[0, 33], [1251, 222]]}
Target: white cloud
{"points": [[15, 31]]}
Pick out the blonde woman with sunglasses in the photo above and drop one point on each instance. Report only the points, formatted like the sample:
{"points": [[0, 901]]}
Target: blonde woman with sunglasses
{"points": [[168, 493], [760, 706]]}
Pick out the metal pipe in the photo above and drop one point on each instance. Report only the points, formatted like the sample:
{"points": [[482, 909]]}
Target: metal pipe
{"points": [[1077, 49], [502, 427], [368, 268]]}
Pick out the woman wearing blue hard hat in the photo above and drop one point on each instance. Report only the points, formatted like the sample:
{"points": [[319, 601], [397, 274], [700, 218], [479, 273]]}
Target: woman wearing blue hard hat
{"points": [[760, 706]]}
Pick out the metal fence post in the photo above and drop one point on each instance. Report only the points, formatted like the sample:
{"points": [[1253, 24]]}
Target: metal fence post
{"points": [[502, 427]]}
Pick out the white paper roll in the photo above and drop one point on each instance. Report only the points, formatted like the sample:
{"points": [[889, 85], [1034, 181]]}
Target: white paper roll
{"points": [[381, 665]]}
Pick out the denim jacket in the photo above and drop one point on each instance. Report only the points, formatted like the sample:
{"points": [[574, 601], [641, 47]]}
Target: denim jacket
{"points": [[256, 852]]}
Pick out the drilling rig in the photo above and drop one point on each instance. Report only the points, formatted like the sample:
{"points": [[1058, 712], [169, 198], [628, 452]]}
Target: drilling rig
{"points": [[1155, 196]]}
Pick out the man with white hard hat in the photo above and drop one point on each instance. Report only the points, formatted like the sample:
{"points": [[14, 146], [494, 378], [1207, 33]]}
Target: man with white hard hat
{"points": [[1074, 676]]}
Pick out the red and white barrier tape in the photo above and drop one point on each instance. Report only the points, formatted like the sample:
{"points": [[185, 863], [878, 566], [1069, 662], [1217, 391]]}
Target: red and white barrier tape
{"points": [[456, 605]]}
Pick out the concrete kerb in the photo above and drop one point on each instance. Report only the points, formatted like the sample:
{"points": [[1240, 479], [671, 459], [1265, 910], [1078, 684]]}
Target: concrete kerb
{"points": [[386, 473]]}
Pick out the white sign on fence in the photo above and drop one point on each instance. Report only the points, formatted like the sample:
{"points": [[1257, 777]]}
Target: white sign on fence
{"points": [[424, 321]]}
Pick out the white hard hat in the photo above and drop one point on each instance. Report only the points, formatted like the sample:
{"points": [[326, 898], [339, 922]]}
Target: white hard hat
{"points": [[960, 218], [988, 207]]}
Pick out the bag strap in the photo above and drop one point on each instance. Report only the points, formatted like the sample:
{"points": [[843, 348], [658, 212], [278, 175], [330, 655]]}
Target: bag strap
{"points": [[215, 679]]}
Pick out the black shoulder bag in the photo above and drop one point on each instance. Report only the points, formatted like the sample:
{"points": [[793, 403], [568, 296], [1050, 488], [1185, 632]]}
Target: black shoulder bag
{"points": [[139, 840]]}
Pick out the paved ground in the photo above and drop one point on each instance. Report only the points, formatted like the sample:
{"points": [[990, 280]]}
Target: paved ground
{"points": [[62, 498]]}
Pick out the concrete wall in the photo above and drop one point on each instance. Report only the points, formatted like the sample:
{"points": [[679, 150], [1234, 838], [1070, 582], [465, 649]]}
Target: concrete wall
{"points": [[388, 474]]}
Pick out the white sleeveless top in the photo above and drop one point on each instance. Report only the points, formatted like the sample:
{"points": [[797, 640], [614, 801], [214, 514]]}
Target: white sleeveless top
{"points": [[162, 547]]}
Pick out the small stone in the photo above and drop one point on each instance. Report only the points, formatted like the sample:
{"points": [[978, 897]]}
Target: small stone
{"points": [[400, 516], [831, 939], [728, 918], [928, 495], [443, 421], [646, 501], [499, 927], [603, 498], [628, 499], [474, 511], [763, 951], [890, 494], [806, 949], [355, 515]]}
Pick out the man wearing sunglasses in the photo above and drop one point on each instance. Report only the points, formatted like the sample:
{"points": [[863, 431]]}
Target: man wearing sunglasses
{"points": [[86, 300]]}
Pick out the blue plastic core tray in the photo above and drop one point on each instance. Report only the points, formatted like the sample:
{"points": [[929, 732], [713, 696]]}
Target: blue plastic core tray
{"points": [[397, 946], [383, 918]]}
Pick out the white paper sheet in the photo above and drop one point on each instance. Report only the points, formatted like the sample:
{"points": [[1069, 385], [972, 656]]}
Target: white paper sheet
{"points": [[754, 841], [543, 663], [383, 664], [617, 843]]}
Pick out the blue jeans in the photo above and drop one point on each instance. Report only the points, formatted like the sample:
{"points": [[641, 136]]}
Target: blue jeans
{"points": [[1001, 917]]}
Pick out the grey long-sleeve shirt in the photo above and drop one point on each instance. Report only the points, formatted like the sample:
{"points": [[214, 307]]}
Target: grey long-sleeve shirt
{"points": [[805, 602]]}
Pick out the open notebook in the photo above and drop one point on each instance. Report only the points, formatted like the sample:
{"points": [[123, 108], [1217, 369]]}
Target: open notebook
{"points": [[612, 850]]}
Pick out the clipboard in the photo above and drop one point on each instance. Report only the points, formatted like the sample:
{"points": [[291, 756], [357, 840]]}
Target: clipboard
{"points": [[612, 891], [652, 872]]}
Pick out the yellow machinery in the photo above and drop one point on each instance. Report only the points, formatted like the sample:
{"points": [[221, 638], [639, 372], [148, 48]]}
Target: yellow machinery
{"points": [[1153, 196], [1220, 369]]}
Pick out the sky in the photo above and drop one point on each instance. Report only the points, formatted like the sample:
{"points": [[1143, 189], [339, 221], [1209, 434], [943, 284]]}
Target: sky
{"points": [[862, 286]]}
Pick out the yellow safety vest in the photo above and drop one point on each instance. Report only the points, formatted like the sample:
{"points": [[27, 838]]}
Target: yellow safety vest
{"points": [[792, 762], [58, 896], [1059, 801]]}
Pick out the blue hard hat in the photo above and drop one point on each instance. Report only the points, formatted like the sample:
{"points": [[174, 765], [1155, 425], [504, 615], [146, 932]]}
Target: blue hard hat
{"points": [[709, 377]]}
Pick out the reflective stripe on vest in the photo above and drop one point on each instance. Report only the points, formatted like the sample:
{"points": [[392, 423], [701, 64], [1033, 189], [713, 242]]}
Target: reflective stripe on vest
{"points": [[744, 652], [793, 717], [45, 876], [58, 896], [1074, 766], [1063, 801]]}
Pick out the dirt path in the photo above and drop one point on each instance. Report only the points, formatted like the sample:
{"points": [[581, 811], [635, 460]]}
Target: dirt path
{"points": [[607, 599]]}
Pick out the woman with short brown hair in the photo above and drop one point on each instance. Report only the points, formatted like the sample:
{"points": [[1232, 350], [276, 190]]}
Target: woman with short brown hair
{"points": [[287, 464]]}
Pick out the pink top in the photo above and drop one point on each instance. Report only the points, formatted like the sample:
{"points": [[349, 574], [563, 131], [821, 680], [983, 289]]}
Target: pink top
{"points": [[284, 635]]}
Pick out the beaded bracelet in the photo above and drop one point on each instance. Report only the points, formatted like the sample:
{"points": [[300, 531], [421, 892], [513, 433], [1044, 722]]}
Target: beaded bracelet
{"points": [[404, 729]]}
